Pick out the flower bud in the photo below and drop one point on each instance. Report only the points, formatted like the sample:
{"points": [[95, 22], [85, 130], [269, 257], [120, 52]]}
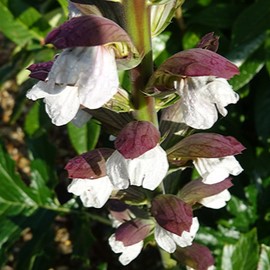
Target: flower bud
{"points": [[209, 42], [40, 71]]}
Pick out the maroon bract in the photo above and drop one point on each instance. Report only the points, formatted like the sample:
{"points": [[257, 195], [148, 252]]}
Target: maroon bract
{"points": [[86, 31], [172, 214], [136, 138], [133, 231], [198, 62], [195, 256], [90, 165], [40, 71], [205, 145], [196, 190]]}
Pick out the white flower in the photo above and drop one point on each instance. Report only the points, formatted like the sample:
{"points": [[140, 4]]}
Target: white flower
{"points": [[93, 193], [200, 97], [129, 253], [84, 76], [147, 170], [169, 241], [214, 170], [216, 201]]}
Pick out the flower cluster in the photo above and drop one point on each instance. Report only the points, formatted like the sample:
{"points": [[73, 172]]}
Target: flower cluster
{"points": [[130, 177]]}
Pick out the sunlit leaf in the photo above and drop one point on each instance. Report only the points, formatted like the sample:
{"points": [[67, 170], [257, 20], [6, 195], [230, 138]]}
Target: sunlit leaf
{"points": [[252, 22], [264, 260], [84, 138], [243, 255]]}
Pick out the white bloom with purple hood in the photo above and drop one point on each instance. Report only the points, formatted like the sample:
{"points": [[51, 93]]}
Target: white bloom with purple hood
{"points": [[199, 76], [139, 159], [213, 157], [85, 73]]}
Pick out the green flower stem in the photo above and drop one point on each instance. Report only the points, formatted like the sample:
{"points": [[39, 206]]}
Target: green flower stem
{"points": [[64, 210], [167, 261], [137, 19]]}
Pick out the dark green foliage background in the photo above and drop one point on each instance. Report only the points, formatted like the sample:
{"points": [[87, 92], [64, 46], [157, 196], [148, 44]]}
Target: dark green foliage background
{"points": [[238, 235]]}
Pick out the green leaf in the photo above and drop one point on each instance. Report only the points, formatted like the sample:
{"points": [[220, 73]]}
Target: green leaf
{"points": [[216, 15], [85, 138], [15, 199], [264, 260], [252, 22], [242, 255], [240, 54], [36, 248], [20, 22], [41, 175], [64, 5], [244, 214], [267, 50], [15, 196], [262, 109], [248, 70]]}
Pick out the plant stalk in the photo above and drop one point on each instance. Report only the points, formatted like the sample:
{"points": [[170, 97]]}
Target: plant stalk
{"points": [[137, 19]]}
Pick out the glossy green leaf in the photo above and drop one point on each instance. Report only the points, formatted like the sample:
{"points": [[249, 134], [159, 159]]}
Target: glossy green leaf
{"points": [[41, 175], [262, 109], [240, 54], [251, 23], [216, 15], [242, 255], [15, 196], [85, 138], [16, 199], [20, 22], [264, 260], [34, 254], [64, 5], [248, 70], [243, 214]]}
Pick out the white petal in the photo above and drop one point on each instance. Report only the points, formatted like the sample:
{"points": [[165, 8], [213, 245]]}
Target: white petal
{"points": [[222, 94], [216, 201], [77, 186], [116, 166], [199, 98], [39, 90], [212, 267], [214, 170], [129, 253], [196, 108], [164, 239], [187, 238], [63, 107], [93, 193], [148, 169], [81, 118], [100, 83], [71, 65], [73, 11]]}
